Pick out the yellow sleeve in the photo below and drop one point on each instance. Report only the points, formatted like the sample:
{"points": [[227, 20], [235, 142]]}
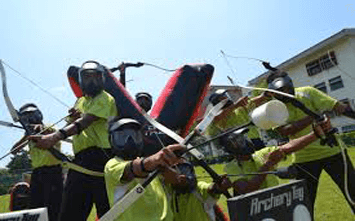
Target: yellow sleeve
{"points": [[320, 100]]}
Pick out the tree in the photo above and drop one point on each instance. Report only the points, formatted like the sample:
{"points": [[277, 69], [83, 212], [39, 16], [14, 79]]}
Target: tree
{"points": [[20, 161], [4, 183], [260, 84]]}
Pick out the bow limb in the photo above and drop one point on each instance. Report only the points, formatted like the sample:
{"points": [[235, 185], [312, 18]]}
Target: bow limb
{"points": [[10, 106], [8, 124]]}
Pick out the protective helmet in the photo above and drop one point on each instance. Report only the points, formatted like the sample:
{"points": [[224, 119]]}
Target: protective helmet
{"points": [[280, 81], [91, 78], [126, 138], [188, 170], [237, 143], [220, 95], [30, 114], [144, 100], [20, 196]]}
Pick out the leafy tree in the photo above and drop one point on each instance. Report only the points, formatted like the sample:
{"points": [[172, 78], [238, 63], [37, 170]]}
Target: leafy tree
{"points": [[4, 186], [20, 161], [260, 84]]}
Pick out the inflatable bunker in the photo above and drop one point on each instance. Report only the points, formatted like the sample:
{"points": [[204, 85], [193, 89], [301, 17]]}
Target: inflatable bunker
{"points": [[176, 107]]}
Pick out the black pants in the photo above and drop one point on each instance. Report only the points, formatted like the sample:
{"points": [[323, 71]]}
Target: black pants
{"points": [[46, 189], [81, 191], [334, 166]]}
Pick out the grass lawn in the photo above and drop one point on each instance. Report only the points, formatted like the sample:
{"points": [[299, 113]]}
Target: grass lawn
{"points": [[330, 203]]}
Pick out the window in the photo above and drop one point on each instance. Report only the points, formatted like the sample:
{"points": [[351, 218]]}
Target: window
{"points": [[313, 68], [336, 83], [327, 61], [321, 87], [345, 101], [323, 63]]}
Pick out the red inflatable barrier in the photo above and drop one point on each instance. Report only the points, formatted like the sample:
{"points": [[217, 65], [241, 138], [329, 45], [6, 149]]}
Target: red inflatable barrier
{"points": [[178, 104]]}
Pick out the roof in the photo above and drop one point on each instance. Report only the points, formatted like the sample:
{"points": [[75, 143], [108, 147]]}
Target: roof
{"points": [[332, 39]]}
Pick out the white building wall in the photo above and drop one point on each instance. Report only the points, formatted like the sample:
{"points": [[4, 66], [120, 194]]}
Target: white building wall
{"points": [[345, 55]]}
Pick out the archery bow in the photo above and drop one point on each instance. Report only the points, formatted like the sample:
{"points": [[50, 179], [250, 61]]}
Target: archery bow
{"points": [[8, 124], [17, 118], [127, 200], [122, 68], [330, 139], [9, 105]]}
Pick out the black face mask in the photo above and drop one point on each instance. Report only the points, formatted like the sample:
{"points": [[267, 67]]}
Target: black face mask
{"points": [[91, 83], [33, 117], [145, 103], [237, 144], [127, 143], [91, 89], [283, 84]]}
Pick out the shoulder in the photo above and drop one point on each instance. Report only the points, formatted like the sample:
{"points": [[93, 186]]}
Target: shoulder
{"points": [[104, 96], [115, 165], [304, 92]]}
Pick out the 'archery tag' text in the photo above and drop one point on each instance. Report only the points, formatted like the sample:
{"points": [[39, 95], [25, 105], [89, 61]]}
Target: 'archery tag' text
{"points": [[261, 205]]}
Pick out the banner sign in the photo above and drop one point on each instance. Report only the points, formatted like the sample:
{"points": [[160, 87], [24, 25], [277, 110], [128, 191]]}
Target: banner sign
{"points": [[39, 214], [283, 202]]}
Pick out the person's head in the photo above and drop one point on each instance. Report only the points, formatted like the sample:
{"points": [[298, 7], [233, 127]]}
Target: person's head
{"points": [[220, 95], [280, 81], [30, 114], [91, 78], [237, 143], [126, 138], [144, 100], [181, 177]]}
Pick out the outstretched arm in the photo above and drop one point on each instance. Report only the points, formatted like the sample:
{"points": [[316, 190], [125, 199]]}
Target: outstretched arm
{"points": [[141, 167], [295, 127], [47, 141], [276, 156], [241, 102]]}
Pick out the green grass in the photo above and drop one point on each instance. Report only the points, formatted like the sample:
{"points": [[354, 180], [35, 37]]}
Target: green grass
{"points": [[4, 203], [330, 203]]}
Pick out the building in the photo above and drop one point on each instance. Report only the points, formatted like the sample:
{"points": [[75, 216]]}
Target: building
{"points": [[328, 66]]}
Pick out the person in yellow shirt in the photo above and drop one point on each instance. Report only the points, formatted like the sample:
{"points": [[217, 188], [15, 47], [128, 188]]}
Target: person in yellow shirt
{"points": [[131, 166], [247, 160], [191, 199], [91, 146], [315, 158], [236, 114], [46, 179]]}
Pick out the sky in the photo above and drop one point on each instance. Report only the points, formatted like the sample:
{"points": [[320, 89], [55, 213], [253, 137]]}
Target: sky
{"points": [[40, 39]]}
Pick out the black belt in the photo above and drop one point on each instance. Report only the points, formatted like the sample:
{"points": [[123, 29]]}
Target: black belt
{"points": [[47, 169]]}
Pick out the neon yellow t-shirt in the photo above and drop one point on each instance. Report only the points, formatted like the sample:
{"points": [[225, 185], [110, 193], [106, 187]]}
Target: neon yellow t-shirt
{"points": [[189, 206], [318, 102], [252, 166], [41, 157], [153, 205], [237, 117], [103, 106]]}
